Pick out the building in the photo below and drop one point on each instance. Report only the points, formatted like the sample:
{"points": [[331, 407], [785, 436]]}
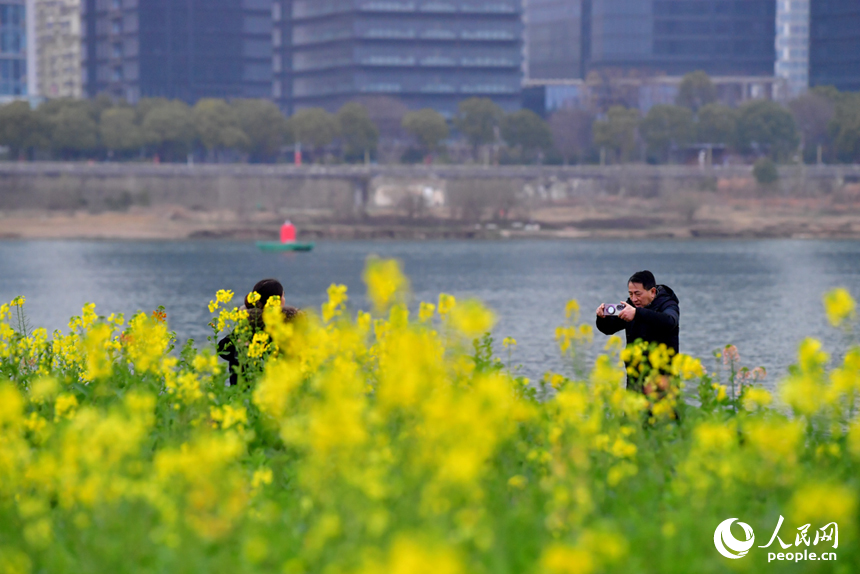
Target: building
{"points": [[184, 49], [554, 39], [598, 93], [15, 80], [721, 37], [567, 39], [792, 45], [58, 48], [427, 53], [834, 42]]}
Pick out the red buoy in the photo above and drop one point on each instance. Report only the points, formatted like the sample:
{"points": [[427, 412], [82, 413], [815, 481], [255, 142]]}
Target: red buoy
{"points": [[288, 232]]}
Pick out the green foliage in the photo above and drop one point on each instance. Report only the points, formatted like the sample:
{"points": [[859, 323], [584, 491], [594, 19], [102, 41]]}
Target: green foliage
{"points": [[428, 127], [617, 133], [73, 130], [478, 119], [169, 128], [119, 130], [844, 127], [813, 113], [696, 90], [665, 126], [767, 127], [360, 135], [525, 129], [765, 171], [22, 129], [264, 125], [717, 124], [384, 443], [217, 125], [314, 127]]}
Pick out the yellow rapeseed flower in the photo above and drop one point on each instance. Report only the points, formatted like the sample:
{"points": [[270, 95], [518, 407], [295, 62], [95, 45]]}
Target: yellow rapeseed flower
{"points": [[571, 310], [472, 318], [259, 345], [446, 303], [839, 306], [65, 406], [755, 398], [224, 296], [386, 283], [822, 503], [426, 311]]}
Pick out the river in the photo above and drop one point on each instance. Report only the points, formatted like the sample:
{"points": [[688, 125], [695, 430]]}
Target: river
{"points": [[763, 296]]}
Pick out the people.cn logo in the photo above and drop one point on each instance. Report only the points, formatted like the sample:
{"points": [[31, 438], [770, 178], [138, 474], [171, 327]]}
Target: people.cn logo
{"points": [[727, 544]]}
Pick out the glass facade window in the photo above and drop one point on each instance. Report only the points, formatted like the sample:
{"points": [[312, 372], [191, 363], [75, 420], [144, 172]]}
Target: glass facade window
{"points": [[565, 39], [834, 44], [13, 49], [185, 49], [792, 44], [421, 51]]}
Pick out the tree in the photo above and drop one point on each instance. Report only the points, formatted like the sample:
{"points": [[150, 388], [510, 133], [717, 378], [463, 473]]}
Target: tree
{"points": [[387, 114], [478, 120], [812, 112], [696, 90], [844, 128], [146, 105], [526, 129], [765, 171], [428, 127], [617, 132], [767, 127], [571, 132], [73, 130], [217, 126], [22, 129], [169, 128], [360, 135], [665, 126], [717, 124], [119, 130], [314, 127], [264, 125]]}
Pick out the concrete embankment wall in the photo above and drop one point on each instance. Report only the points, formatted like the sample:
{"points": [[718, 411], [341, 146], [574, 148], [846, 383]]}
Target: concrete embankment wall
{"points": [[345, 191]]}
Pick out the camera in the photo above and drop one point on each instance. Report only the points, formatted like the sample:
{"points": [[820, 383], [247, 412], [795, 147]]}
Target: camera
{"points": [[613, 309]]}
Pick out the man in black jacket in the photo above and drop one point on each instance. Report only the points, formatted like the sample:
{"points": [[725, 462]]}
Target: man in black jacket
{"points": [[651, 314]]}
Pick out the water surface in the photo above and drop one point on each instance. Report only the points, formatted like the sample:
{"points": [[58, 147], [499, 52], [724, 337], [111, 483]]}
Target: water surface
{"points": [[763, 296]]}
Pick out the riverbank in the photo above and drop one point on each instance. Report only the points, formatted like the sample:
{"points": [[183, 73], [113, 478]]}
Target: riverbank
{"points": [[702, 216]]}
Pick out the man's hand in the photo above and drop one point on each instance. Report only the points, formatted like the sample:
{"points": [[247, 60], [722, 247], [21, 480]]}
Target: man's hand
{"points": [[600, 312], [628, 313]]}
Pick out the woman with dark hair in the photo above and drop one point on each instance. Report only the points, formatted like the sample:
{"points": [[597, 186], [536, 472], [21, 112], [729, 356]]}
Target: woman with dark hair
{"points": [[266, 289], [227, 347]]}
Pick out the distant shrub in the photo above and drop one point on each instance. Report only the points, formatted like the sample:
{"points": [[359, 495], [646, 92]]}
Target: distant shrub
{"points": [[765, 171]]}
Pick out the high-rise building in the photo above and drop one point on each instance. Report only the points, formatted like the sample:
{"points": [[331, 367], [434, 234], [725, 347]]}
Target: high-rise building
{"points": [[637, 38], [792, 44], [14, 67], [721, 37], [185, 49], [834, 58], [554, 39], [427, 53], [58, 48]]}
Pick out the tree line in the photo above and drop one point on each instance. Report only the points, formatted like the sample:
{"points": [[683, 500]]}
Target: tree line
{"points": [[823, 124]]}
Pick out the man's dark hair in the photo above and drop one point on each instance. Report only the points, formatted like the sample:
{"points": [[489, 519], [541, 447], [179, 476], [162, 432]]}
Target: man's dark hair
{"points": [[266, 288], [644, 278]]}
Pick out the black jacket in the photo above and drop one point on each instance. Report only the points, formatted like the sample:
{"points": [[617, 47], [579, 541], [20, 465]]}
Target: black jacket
{"points": [[657, 323]]}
